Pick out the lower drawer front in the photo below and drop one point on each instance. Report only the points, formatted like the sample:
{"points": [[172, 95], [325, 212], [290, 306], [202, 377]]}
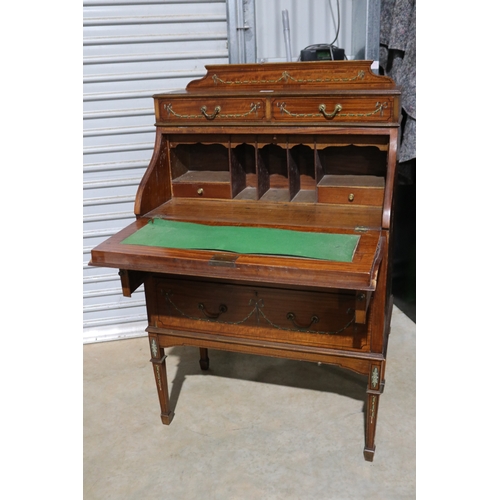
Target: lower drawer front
{"points": [[279, 315]]}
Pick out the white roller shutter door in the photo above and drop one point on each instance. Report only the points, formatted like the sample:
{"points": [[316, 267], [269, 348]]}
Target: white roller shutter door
{"points": [[132, 49]]}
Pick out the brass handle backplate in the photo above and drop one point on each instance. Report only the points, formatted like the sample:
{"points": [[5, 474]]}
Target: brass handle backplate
{"points": [[322, 109], [213, 115]]}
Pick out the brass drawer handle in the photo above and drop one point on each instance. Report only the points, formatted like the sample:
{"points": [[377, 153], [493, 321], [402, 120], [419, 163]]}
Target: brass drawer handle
{"points": [[322, 109], [212, 116], [291, 317], [209, 315]]}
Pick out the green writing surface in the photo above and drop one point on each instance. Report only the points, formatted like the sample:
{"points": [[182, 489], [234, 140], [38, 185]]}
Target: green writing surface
{"points": [[245, 240]]}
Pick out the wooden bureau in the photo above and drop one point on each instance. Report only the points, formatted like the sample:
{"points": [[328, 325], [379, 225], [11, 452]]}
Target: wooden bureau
{"points": [[264, 219]]}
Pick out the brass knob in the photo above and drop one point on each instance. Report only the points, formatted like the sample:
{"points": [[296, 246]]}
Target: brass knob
{"points": [[351, 197], [200, 191]]}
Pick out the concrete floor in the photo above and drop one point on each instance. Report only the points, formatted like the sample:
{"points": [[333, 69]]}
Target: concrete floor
{"points": [[250, 428]]}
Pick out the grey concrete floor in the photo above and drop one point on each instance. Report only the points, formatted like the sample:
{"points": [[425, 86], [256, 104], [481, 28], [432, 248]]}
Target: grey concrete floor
{"points": [[251, 427]]}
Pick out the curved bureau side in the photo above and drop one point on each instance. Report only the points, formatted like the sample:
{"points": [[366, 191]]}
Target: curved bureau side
{"points": [[390, 178], [155, 187]]}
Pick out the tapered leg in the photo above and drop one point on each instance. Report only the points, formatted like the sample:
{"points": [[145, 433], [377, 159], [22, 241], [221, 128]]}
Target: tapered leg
{"points": [[371, 424], [204, 360], [375, 388], [160, 372]]}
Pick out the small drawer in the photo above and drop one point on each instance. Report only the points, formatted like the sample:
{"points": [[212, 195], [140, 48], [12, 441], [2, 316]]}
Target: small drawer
{"points": [[210, 110], [349, 189], [298, 317], [202, 190], [330, 110], [202, 184]]}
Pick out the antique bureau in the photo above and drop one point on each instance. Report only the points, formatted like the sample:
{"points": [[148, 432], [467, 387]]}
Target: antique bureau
{"points": [[263, 222]]}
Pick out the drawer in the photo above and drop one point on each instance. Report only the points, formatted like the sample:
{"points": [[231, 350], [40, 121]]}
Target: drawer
{"points": [[202, 190], [323, 319], [351, 189], [330, 110], [210, 109], [203, 185]]}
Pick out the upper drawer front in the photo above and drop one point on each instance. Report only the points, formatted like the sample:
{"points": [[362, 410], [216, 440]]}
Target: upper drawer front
{"points": [[332, 110], [279, 315], [211, 110]]}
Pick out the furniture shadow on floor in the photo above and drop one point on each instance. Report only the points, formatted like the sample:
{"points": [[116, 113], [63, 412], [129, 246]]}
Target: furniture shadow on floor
{"points": [[265, 370]]}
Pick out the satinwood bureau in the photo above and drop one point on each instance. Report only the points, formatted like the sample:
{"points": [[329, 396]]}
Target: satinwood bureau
{"points": [[263, 222]]}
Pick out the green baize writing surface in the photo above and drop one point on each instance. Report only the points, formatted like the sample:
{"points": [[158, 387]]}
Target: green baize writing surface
{"points": [[245, 240]]}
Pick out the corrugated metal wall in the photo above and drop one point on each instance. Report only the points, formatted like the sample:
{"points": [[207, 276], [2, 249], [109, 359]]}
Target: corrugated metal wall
{"points": [[132, 49], [310, 23], [316, 22]]}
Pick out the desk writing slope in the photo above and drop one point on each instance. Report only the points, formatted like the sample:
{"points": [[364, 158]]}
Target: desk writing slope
{"points": [[245, 240], [264, 219]]}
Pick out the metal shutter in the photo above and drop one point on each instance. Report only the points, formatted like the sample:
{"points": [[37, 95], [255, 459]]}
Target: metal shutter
{"points": [[316, 22], [131, 50]]}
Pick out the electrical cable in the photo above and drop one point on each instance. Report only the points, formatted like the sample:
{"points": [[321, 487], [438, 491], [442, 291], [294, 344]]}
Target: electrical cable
{"points": [[338, 19]]}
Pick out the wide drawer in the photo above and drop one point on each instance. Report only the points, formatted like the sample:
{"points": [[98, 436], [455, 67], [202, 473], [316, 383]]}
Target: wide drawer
{"points": [[301, 317], [338, 109], [210, 109]]}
